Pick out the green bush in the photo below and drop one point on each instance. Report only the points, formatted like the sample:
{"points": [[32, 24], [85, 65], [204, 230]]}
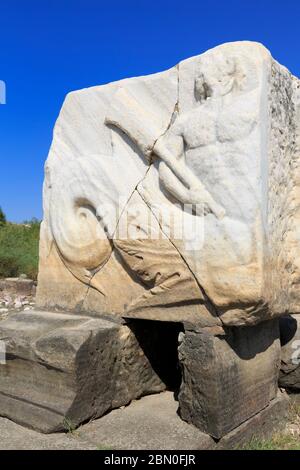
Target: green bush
{"points": [[19, 249], [2, 217]]}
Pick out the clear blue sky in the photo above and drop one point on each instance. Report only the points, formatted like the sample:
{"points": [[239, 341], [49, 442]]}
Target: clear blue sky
{"points": [[50, 47]]}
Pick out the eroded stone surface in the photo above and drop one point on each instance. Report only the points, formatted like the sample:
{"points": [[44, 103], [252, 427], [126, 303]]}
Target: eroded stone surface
{"points": [[263, 425], [218, 131], [149, 423], [63, 369], [227, 379]]}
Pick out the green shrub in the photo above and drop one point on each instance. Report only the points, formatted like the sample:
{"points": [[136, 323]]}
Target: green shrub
{"points": [[19, 249], [8, 266], [2, 218]]}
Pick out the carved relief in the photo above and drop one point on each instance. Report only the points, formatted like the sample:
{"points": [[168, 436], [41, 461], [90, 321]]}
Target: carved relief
{"points": [[194, 136]]}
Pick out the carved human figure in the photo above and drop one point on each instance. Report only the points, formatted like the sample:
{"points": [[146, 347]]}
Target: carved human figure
{"points": [[194, 134], [178, 179], [196, 154], [195, 150]]}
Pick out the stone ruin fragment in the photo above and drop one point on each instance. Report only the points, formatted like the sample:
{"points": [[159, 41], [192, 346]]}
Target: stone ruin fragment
{"points": [[169, 247]]}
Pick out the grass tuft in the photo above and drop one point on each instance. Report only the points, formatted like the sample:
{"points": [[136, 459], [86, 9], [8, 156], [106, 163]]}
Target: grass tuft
{"points": [[278, 441], [288, 439]]}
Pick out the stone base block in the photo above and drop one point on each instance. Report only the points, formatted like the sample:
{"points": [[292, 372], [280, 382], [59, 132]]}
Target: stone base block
{"points": [[227, 379], [62, 369], [271, 419], [150, 423]]}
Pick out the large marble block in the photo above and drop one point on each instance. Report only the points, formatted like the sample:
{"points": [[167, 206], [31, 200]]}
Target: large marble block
{"points": [[63, 369], [175, 196]]}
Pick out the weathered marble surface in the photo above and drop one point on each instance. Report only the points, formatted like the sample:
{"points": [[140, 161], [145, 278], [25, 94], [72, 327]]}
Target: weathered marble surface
{"points": [[219, 130]]}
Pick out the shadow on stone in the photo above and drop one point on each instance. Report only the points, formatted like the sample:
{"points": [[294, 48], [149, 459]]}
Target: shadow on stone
{"points": [[288, 329], [248, 342], [159, 342]]}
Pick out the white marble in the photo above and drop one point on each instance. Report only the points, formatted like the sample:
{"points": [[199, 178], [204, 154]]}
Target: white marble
{"points": [[218, 132]]}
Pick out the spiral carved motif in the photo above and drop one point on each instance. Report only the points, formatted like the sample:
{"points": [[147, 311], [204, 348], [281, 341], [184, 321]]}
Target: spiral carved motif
{"points": [[78, 230]]}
